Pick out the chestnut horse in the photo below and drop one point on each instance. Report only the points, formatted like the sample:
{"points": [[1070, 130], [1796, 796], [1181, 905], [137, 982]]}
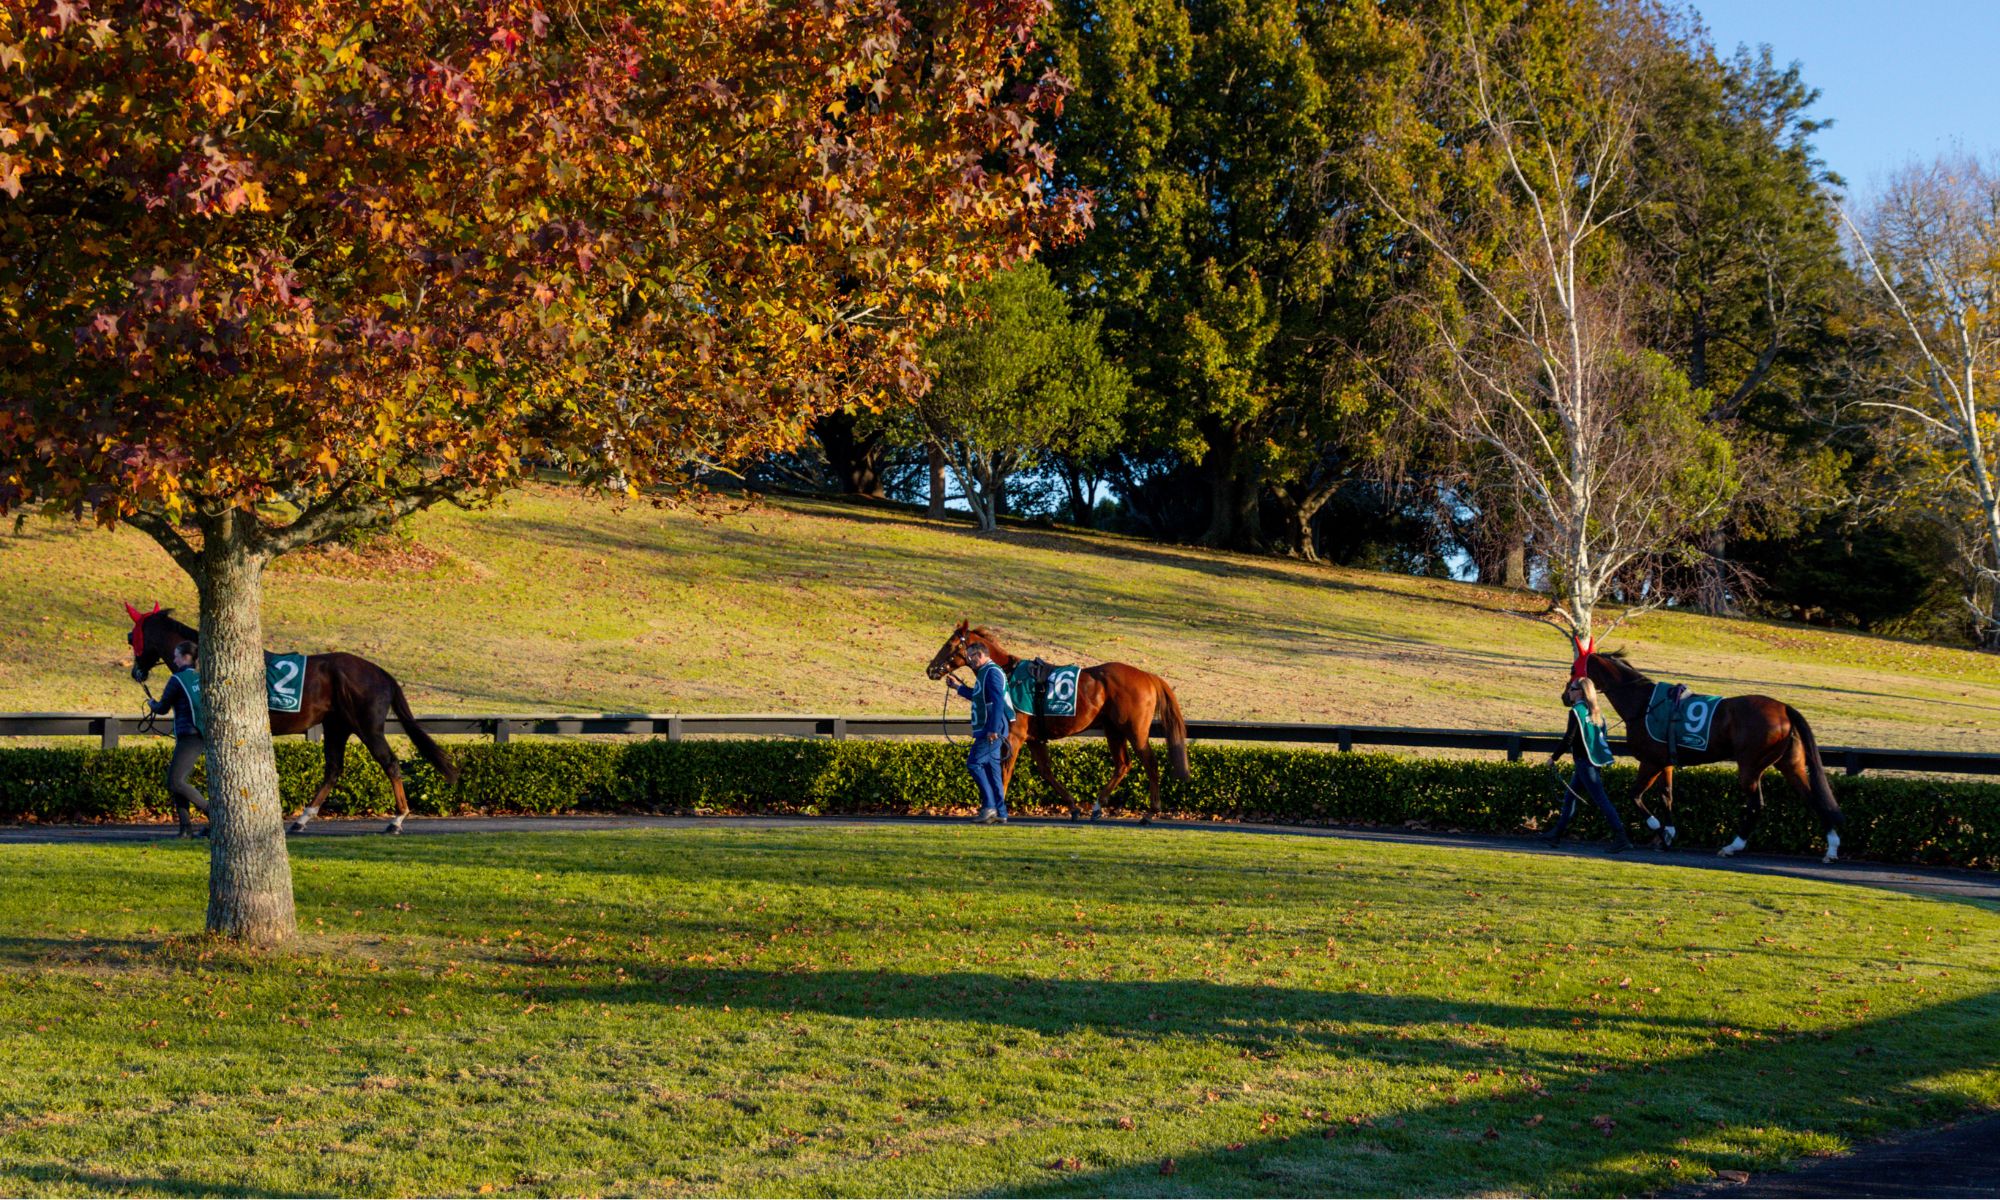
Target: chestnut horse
{"points": [[1757, 732], [1125, 699], [347, 695]]}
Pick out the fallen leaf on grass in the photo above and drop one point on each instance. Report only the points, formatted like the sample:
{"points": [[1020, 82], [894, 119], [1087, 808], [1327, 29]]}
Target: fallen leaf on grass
{"points": [[1604, 1124], [1733, 1176], [1233, 1146], [1167, 1166], [1492, 1135], [1124, 1123], [1535, 1120], [1064, 1164]]}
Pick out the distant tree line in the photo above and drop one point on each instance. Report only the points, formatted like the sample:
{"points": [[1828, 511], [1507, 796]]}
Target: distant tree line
{"points": [[1556, 294]]}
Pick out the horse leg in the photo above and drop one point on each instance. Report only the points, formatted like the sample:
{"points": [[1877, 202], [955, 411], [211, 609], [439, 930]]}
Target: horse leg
{"points": [[1151, 760], [1651, 773], [1751, 781], [1045, 770], [378, 746], [1797, 771], [336, 733], [1121, 765]]}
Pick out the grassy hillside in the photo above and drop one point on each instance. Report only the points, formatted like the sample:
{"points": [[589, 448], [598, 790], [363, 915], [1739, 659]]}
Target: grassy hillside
{"points": [[556, 602]]}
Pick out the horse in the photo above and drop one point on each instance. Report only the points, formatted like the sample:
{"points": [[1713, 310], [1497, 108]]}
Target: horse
{"points": [[1126, 700], [345, 694], [1757, 732]]}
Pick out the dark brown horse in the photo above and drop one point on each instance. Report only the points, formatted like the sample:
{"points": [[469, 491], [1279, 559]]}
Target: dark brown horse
{"points": [[345, 695], [1755, 732], [1125, 700]]}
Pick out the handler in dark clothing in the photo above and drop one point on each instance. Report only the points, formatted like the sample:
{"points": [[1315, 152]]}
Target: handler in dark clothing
{"points": [[182, 697], [992, 717], [1593, 751]]}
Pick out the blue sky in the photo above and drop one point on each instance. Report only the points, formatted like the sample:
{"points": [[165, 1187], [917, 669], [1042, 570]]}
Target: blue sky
{"points": [[1899, 80]]}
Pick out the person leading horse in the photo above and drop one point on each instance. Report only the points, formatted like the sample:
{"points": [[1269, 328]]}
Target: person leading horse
{"points": [[1756, 732], [1123, 699]]}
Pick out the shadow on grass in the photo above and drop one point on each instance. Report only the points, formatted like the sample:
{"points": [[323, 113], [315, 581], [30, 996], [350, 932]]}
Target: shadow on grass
{"points": [[105, 1183], [1256, 1017], [107, 951], [1853, 1085]]}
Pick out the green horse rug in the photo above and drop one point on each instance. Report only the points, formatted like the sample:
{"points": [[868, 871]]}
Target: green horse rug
{"points": [[1679, 719], [1042, 690], [284, 686]]}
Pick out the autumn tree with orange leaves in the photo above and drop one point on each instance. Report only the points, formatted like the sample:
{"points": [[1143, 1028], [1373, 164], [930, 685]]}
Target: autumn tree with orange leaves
{"points": [[272, 271]]}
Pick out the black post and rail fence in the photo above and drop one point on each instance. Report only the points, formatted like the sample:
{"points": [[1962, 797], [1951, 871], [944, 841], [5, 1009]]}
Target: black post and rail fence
{"points": [[110, 730]]}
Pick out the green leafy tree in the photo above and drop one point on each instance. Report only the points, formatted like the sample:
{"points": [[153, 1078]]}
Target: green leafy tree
{"points": [[1017, 381], [1214, 137], [1739, 225]]}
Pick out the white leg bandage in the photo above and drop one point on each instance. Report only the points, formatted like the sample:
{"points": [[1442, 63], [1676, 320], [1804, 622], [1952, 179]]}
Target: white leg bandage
{"points": [[1832, 846], [1735, 845], [1652, 823]]}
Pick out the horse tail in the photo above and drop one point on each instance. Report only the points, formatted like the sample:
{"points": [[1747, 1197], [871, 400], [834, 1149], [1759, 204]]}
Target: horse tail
{"points": [[1822, 789], [432, 752], [1170, 712]]}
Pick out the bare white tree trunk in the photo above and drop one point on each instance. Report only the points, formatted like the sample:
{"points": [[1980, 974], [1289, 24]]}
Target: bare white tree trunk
{"points": [[1933, 248], [250, 874], [1534, 348]]}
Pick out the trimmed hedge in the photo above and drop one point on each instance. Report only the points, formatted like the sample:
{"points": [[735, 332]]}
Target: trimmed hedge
{"points": [[1895, 819]]}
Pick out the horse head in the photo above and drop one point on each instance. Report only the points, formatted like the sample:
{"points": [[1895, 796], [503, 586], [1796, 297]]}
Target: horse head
{"points": [[951, 656], [146, 653], [1585, 647]]}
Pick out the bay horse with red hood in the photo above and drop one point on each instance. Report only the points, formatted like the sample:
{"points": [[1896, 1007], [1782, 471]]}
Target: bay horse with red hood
{"points": [[1756, 732], [1124, 699], [344, 694]]}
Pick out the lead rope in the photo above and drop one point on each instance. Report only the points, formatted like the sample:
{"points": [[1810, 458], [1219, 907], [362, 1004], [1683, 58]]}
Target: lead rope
{"points": [[944, 710], [148, 719]]}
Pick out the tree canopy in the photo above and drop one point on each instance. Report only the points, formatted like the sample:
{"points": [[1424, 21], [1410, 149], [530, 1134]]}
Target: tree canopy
{"points": [[271, 271]]}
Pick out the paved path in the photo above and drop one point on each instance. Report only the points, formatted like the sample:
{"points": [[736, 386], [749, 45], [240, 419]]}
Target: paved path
{"points": [[1935, 881], [1958, 1160]]}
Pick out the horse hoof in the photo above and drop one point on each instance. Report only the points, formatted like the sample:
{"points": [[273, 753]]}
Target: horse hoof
{"points": [[186, 831], [393, 827], [296, 827], [1146, 820], [1075, 816]]}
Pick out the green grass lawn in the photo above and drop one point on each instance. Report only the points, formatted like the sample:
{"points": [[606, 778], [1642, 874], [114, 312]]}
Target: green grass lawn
{"points": [[898, 1010], [556, 602]]}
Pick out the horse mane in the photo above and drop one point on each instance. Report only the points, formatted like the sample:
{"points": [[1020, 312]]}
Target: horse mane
{"points": [[1625, 664], [167, 615]]}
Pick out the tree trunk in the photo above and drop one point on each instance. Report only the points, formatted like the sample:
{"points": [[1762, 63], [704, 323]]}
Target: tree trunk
{"points": [[936, 511], [856, 457], [249, 873], [1082, 491], [1514, 568], [985, 493], [1298, 513], [1219, 468]]}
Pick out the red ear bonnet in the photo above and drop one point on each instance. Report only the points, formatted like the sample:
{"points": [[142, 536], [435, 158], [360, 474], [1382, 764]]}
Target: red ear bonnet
{"points": [[1584, 649], [139, 627]]}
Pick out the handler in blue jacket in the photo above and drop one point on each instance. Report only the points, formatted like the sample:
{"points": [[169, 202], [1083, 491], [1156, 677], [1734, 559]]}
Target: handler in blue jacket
{"points": [[182, 697], [1593, 752], [992, 719]]}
